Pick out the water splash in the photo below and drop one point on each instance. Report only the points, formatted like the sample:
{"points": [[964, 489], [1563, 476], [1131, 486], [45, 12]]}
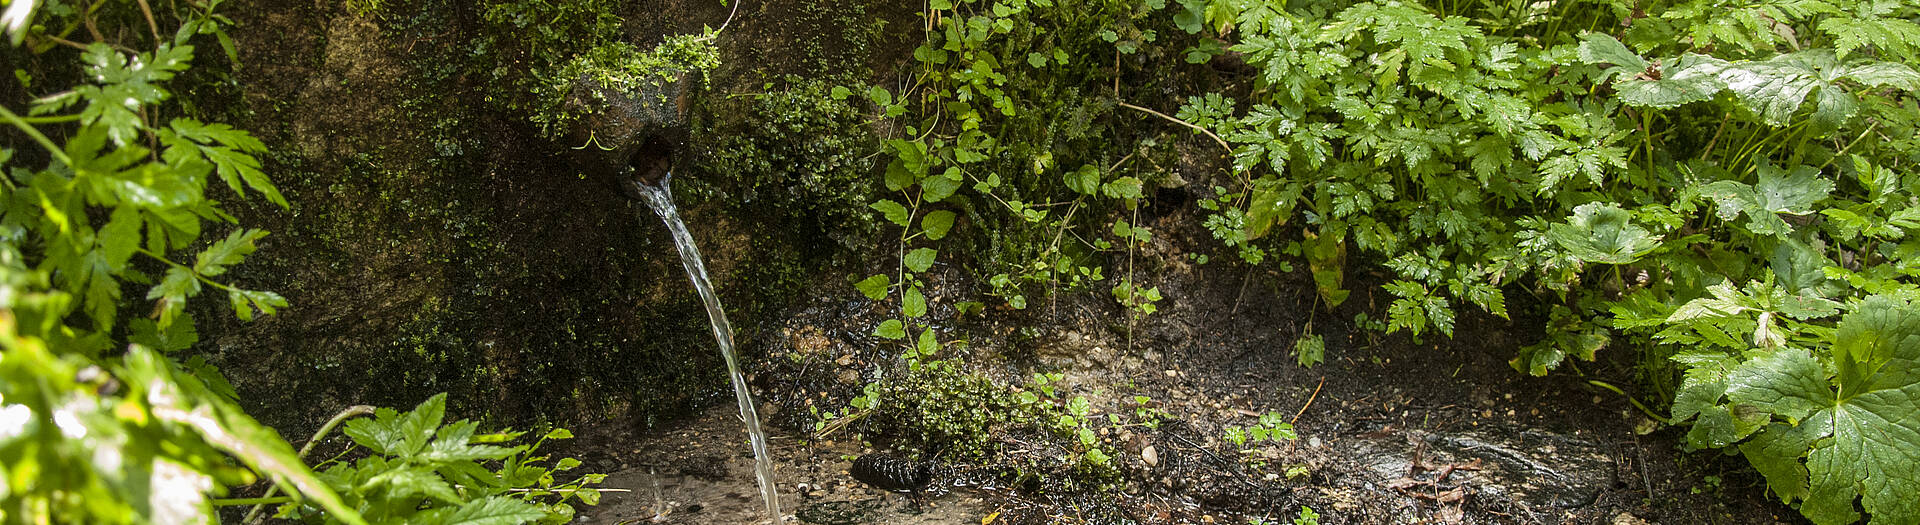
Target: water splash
{"points": [[661, 200]]}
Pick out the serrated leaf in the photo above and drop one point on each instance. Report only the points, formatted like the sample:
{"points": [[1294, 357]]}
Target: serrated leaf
{"points": [[245, 302], [120, 238], [178, 336], [1603, 233], [1600, 48], [1273, 203], [936, 224], [173, 291], [920, 259], [230, 251], [411, 481], [893, 211], [874, 287], [1854, 428], [495, 510], [938, 188], [891, 329], [913, 304], [1693, 78]]}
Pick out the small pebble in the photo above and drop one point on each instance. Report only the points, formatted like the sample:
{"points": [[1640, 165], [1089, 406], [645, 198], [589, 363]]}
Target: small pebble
{"points": [[1150, 455]]}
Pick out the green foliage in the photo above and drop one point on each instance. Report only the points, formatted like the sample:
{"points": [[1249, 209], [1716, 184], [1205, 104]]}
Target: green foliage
{"points": [[1707, 181], [420, 470], [99, 422], [799, 152], [963, 416], [1828, 425], [621, 67]]}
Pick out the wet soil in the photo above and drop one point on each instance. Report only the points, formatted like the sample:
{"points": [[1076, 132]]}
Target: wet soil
{"points": [[1391, 428]]}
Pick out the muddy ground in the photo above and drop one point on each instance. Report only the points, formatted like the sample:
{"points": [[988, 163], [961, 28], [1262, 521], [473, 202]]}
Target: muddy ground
{"points": [[1390, 429]]}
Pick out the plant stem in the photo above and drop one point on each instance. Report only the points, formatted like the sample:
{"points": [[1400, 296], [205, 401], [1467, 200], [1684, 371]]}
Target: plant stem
{"points": [[1216, 138], [264, 500], [34, 133], [260, 503]]}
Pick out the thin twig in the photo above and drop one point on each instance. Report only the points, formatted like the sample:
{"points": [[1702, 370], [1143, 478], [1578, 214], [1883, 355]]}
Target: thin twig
{"points": [[253, 515], [1216, 138], [723, 25], [148, 11], [1316, 395]]}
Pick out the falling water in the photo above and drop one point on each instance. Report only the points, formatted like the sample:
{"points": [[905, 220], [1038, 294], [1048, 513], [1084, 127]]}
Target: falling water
{"points": [[661, 200]]}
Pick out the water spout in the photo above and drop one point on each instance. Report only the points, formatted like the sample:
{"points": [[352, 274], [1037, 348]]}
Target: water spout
{"points": [[659, 196]]}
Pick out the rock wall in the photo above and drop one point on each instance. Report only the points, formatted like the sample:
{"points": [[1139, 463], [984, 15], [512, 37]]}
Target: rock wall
{"points": [[438, 243]]}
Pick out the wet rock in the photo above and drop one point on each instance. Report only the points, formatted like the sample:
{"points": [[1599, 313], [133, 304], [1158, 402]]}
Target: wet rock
{"points": [[1524, 465]]}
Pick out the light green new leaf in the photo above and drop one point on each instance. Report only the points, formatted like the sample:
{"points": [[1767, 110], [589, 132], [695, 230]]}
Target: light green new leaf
{"points": [[173, 291], [936, 224], [1122, 188], [920, 259], [1603, 233], [893, 211], [874, 287]]}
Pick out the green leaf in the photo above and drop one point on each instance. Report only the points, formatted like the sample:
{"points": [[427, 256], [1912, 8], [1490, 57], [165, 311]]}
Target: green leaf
{"points": [[495, 510], [893, 211], [1273, 203], [891, 329], [928, 344], [1600, 48], [1856, 430], [874, 287], [178, 336], [119, 239], [1122, 188], [936, 224], [230, 251], [1603, 233], [244, 302], [936, 189], [912, 303], [173, 291], [920, 259], [411, 481], [1084, 180], [1693, 78]]}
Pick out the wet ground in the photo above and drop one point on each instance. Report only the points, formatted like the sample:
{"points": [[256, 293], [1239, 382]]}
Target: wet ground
{"points": [[1391, 429]]}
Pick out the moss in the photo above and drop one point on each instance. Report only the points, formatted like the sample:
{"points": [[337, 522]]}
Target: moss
{"points": [[794, 155]]}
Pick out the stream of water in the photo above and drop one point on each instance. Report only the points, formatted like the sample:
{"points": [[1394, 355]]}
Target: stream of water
{"points": [[661, 200]]}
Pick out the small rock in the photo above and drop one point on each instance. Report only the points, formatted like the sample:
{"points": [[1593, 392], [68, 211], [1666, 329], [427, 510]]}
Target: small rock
{"points": [[1150, 455], [1628, 519]]}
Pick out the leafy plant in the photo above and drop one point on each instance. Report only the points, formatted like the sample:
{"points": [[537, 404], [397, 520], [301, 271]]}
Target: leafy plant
{"points": [[1825, 425], [421, 469]]}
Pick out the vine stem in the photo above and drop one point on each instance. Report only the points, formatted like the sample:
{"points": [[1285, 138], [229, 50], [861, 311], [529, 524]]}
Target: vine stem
{"points": [[1216, 138], [34, 133], [260, 503]]}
